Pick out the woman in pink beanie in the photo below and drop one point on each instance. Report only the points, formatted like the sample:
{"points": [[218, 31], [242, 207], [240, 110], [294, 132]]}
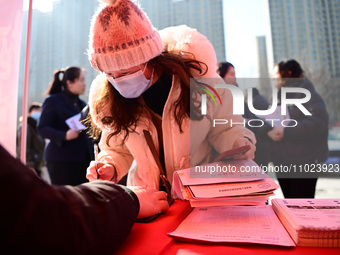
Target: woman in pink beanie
{"points": [[145, 85]]}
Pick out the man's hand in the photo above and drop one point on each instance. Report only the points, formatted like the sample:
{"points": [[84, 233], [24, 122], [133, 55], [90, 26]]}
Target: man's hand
{"points": [[151, 201]]}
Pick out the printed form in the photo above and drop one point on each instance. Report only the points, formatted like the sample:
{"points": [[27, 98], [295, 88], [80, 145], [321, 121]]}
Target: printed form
{"points": [[234, 224]]}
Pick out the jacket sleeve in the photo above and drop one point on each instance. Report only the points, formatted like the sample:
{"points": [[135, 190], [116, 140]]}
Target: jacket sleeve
{"points": [[30, 161], [29, 142], [92, 218], [309, 126], [116, 153], [223, 136], [47, 121]]}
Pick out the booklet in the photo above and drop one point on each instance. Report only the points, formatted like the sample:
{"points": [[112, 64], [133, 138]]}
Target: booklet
{"points": [[235, 187], [310, 222], [233, 224]]}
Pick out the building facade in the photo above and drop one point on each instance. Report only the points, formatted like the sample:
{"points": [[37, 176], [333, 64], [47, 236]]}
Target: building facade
{"points": [[307, 30], [204, 15]]}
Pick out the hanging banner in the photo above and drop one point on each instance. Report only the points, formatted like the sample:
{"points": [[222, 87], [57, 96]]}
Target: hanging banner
{"points": [[10, 41]]}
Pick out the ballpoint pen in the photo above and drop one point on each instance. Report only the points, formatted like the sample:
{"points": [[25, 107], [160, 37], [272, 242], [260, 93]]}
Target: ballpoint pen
{"points": [[96, 158]]}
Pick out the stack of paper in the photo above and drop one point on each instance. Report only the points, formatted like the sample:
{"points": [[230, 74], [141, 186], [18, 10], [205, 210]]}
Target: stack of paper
{"points": [[310, 222], [234, 187]]}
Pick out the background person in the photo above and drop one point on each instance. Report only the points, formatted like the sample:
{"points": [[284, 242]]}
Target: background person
{"points": [[35, 144], [303, 144], [69, 151], [93, 218], [227, 71], [145, 85]]}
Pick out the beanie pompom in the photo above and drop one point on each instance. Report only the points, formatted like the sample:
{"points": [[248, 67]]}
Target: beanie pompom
{"points": [[121, 37], [109, 1], [186, 39]]}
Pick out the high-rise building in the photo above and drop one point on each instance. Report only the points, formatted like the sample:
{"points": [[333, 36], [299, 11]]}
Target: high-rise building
{"points": [[262, 63], [307, 30], [204, 15]]}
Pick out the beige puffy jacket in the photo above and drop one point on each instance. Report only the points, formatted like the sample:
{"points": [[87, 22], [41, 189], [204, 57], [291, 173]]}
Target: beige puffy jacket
{"points": [[134, 156]]}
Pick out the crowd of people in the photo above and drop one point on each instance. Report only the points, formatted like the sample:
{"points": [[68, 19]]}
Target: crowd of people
{"points": [[145, 84]]}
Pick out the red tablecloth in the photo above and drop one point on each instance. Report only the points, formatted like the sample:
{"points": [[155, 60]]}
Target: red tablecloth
{"points": [[152, 238]]}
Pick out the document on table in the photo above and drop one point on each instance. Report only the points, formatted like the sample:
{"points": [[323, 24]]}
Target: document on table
{"points": [[310, 222], [234, 224], [190, 176], [74, 122], [233, 189]]}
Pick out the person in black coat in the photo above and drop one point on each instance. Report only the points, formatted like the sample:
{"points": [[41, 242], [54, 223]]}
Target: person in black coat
{"points": [[302, 145], [70, 150], [92, 218], [35, 144]]}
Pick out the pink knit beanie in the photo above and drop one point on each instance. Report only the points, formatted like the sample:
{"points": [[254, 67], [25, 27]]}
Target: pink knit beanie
{"points": [[121, 36]]}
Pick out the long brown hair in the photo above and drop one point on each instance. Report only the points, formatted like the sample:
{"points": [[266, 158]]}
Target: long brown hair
{"points": [[126, 112]]}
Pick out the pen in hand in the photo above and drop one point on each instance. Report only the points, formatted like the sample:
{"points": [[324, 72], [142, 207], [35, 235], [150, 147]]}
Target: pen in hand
{"points": [[96, 158]]}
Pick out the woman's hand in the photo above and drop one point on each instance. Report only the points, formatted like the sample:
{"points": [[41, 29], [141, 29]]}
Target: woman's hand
{"points": [[71, 134], [151, 201], [242, 141], [105, 171]]}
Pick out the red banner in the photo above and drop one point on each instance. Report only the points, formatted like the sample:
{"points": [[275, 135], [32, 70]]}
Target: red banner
{"points": [[10, 39]]}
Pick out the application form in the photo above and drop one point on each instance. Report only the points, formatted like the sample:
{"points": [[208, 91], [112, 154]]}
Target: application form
{"points": [[234, 224]]}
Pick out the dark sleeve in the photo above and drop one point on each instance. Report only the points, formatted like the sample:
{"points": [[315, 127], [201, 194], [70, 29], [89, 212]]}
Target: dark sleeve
{"points": [[37, 218], [309, 126], [18, 142], [30, 147], [260, 127], [48, 121]]}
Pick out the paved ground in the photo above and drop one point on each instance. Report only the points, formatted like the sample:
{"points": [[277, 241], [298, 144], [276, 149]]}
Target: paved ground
{"points": [[328, 188], [325, 188]]}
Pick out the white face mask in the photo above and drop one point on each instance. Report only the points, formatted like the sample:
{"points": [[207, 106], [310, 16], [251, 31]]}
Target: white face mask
{"points": [[36, 115], [132, 85]]}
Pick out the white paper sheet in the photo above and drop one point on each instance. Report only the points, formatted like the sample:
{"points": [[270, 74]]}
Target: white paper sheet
{"points": [[74, 122], [235, 224]]}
